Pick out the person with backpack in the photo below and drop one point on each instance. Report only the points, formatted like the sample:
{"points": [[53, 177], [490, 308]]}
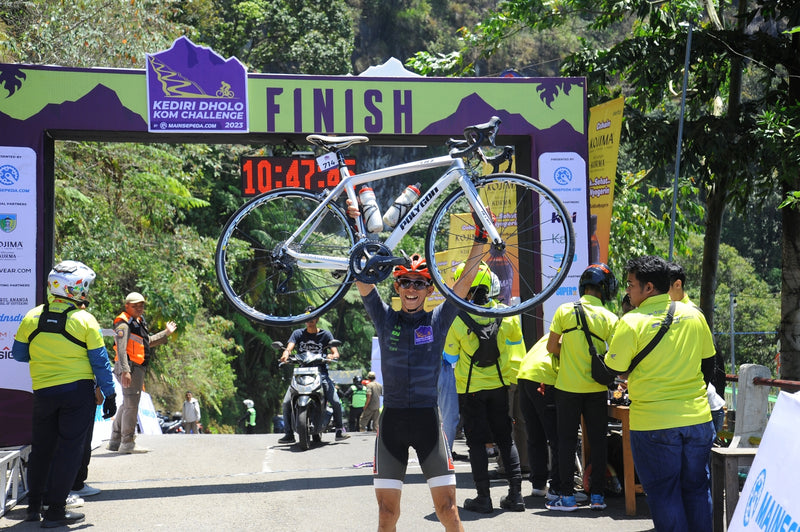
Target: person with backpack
{"points": [[482, 348], [64, 347], [572, 328]]}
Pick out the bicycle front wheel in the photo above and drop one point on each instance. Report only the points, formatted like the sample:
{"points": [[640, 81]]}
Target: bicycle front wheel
{"points": [[261, 279], [537, 250]]}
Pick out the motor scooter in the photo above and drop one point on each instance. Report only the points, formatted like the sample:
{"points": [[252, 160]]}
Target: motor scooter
{"points": [[310, 411], [170, 425]]}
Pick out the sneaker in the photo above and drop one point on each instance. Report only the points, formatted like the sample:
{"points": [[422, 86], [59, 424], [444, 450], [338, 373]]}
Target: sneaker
{"points": [[289, 438], [64, 518], [130, 448], [113, 446], [598, 502], [85, 491], [341, 435], [536, 492], [580, 497], [553, 495], [73, 501], [565, 503]]}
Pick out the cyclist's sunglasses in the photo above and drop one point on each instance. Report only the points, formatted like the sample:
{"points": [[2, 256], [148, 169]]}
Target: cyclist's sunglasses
{"points": [[416, 284]]}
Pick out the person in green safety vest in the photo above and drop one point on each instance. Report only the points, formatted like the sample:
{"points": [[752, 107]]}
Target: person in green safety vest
{"points": [[357, 395]]}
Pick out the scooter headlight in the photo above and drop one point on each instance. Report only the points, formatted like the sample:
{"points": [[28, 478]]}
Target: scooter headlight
{"points": [[304, 380]]}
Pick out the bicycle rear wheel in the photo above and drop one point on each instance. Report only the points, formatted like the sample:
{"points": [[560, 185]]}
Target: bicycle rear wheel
{"points": [[257, 275], [538, 243]]}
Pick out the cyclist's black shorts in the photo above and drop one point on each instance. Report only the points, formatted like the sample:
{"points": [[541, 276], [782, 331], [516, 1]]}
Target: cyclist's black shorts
{"points": [[420, 428]]}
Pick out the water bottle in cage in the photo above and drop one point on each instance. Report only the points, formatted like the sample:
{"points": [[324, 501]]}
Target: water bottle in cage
{"points": [[372, 213], [401, 205]]}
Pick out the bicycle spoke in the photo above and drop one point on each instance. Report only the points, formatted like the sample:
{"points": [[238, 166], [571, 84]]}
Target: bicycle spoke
{"points": [[528, 271], [260, 276]]}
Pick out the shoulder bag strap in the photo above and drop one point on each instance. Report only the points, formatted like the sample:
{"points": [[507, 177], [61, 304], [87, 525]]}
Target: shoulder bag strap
{"points": [[585, 327], [657, 338]]}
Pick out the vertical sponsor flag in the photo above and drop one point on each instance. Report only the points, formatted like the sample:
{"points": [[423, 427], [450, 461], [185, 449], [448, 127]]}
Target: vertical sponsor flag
{"points": [[605, 124]]}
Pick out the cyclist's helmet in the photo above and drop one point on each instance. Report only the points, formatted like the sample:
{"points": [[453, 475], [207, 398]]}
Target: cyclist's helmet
{"points": [[357, 379], [248, 403], [482, 278], [417, 265], [601, 276], [71, 280]]}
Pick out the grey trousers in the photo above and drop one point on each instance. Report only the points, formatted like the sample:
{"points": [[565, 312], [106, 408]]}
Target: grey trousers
{"points": [[124, 427]]}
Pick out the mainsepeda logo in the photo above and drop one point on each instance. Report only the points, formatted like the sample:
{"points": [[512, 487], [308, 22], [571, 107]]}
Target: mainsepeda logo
{"points": [[9, 175], [10, 318]]}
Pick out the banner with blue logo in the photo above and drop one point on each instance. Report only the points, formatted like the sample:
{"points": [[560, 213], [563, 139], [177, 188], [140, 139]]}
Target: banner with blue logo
{"points": [[769, 500]]}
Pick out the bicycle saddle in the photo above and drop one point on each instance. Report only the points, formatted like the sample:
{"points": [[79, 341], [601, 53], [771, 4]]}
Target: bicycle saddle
{"points": [[336, 143]]}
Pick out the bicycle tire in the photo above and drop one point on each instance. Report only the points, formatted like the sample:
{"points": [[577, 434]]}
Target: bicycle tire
{"points": [[521, 226], [260, 280]]}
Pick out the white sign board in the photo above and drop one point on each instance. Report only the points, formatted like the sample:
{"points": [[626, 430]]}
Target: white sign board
{"points": [[770, 500]]}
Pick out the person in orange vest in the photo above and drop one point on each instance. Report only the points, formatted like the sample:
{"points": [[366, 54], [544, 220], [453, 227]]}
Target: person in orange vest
{"points": [[133, 344]]}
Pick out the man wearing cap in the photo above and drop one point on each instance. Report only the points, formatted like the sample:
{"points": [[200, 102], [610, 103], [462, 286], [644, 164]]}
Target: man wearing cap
{"points": [[133, 344], [373, 405]]}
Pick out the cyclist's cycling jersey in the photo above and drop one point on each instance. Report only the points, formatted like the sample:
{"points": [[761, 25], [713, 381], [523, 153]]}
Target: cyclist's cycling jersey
{"points": [[420, 428], [411, 351]]}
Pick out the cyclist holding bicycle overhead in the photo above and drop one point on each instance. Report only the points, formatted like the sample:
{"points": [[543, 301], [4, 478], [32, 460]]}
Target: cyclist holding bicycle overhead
{"points": [[411, 343]]}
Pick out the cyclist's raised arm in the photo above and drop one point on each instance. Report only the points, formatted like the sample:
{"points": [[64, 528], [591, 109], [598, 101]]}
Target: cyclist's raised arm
{"points": [[363, 288]]}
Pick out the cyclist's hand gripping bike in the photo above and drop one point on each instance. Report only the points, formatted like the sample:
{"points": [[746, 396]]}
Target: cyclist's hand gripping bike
{"points": [[290, 249]]}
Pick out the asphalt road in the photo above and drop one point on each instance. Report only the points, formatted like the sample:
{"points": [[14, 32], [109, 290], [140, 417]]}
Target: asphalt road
{"points": [[239, 482]]}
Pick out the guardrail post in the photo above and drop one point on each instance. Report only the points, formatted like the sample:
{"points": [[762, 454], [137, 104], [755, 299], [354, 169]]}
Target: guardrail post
{"points": [[751, 405]]}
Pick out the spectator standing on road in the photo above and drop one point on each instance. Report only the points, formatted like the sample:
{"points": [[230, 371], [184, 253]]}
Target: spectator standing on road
{"points": [[134, 346], [536, 388], [671, 428], [372, 406], [63, 346], [191, 413], [357, 394], [411, 342], [312, 339], [577, 393], [483, 395], [249, 417]]}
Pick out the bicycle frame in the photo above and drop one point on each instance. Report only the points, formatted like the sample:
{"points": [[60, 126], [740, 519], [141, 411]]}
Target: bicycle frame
{"points": [[456, 172]]}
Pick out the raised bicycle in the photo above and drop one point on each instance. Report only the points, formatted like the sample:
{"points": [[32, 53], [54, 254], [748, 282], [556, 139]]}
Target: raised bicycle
{"points": [[290, 249]]}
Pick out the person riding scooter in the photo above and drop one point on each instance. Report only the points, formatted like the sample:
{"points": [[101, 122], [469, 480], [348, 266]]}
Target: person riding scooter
{"points": [[312, 340]]}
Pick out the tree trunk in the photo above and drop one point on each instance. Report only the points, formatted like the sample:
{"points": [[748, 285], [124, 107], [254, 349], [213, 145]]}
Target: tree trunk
{"points": [[715, 209], [789, 333]]}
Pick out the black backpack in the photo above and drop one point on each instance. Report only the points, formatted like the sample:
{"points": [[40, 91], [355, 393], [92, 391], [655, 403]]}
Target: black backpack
{"points": [[488, 352], [51, 321]]}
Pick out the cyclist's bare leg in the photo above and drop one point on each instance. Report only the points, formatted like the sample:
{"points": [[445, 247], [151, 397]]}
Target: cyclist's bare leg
{"points": [[444, 501], [388, 508]]}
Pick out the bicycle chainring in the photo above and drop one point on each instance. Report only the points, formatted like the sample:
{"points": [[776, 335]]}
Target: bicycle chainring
{"points": [[371, 262]]}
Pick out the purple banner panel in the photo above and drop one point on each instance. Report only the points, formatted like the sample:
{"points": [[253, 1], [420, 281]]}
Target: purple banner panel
{"points": [[191, 88]]}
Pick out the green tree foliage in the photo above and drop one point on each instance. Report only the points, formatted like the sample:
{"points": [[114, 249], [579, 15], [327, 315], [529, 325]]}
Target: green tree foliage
{"points": [[281, 36], [86, 33]]}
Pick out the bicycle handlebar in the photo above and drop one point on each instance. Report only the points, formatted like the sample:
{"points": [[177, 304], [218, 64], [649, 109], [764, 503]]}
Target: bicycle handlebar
{"points": [[474, 138]]}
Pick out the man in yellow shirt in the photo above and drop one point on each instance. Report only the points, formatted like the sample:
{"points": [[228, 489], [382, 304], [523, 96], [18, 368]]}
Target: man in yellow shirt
{"points": [[671, 428]]}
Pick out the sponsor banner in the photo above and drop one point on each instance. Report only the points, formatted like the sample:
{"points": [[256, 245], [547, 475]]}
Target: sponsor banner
{"points": [[769, 498], [605, 124], [192, 89], [17, 256], [565, 174]]}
